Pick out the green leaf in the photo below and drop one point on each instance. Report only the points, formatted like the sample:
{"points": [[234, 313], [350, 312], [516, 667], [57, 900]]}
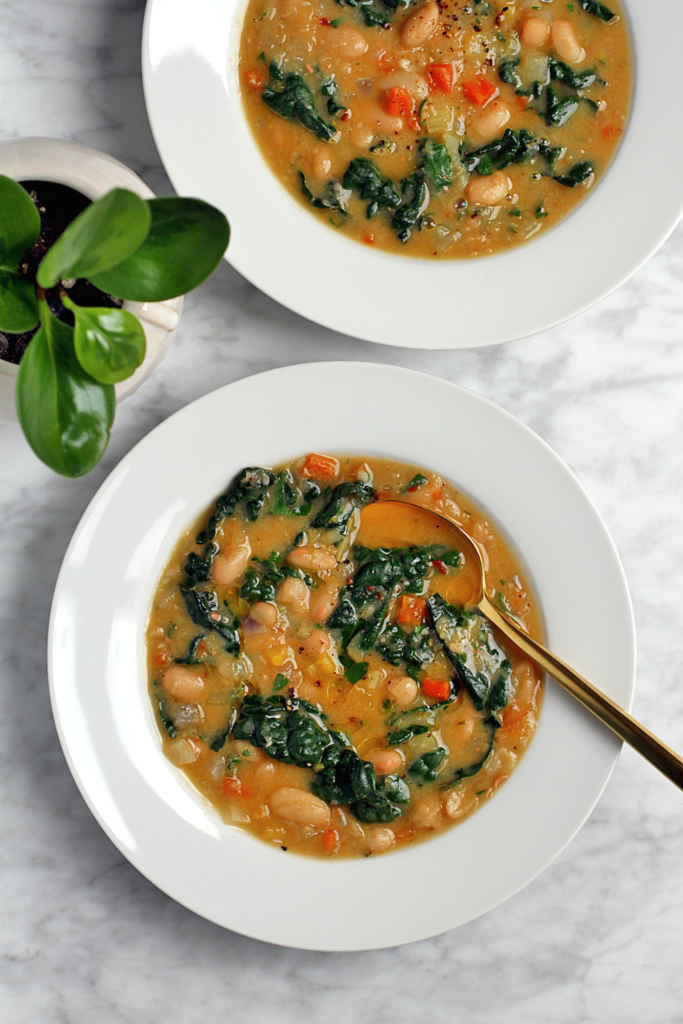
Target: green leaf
{"points": [[65, 414], [185, 244], [18, 303], [104, 234], [110, 343], [280, 682], [19, 223]]}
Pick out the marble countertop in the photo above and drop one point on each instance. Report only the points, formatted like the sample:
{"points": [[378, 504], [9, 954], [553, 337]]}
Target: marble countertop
{"points": [[83, 937]]}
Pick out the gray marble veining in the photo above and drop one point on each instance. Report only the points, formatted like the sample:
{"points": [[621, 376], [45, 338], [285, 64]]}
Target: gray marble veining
{"points": [[83, 937]]}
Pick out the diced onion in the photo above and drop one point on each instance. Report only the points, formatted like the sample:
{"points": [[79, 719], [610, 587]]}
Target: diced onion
{"points": [[533, 67], [181, 751]]}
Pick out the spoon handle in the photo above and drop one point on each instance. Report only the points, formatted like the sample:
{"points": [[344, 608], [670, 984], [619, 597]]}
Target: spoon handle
{"points": [[619, 721]]}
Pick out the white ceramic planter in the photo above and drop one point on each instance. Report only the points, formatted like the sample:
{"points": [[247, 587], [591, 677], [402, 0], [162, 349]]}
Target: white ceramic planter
{"points": [[92, 173]]}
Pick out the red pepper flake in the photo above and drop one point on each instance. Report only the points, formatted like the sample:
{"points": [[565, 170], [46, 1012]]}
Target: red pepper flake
{"points": [[415, 487], [345, 116], [369, 239], [438, 564], [325, 21]]}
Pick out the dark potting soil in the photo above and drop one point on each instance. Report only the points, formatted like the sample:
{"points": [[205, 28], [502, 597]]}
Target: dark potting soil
{"points": [[57, 205]]}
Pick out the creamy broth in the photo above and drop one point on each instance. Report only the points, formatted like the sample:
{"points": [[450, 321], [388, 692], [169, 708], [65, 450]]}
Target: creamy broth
{"points": [[318, 679], [447, 130]]}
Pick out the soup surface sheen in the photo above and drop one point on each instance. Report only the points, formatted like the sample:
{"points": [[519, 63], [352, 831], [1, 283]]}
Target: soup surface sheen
{"points": [[446, 129], [315, 674]]}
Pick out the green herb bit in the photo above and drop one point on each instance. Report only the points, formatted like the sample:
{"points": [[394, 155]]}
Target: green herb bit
{"points": [[419, 480], [280, 682], [335, 199]]}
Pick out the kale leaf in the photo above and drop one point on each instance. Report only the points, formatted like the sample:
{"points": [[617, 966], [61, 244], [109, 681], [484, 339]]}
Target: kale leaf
{"points": [[514, 147], [561, 72], [292, 731], [408, 215], [575, 175], [428, 766], [480, 664], [202, 607], [598, 10], [290, 97], [330, 89], [197, 568], [436, 163], [364, 176], [558, 111], [344, 499], [335, 199], [251, 487]]}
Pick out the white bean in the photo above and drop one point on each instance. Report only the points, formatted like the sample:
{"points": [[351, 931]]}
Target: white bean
{"points": [[426, 813], [565, 42], [231, 562], [323, 601], [457, 802], [319, 642], [320, 163], [264, 612], [345, 42], [380, 839], [489, 190], [385, 762], [361, 136], [535, 32], [183, 683], [402, 691], [315, 559], [293, 593], [420, 25], [489, 122], [298, 805]]}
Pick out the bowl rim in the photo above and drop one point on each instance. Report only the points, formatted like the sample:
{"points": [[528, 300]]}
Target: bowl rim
{"points": [[189, 59], [155, 818]]}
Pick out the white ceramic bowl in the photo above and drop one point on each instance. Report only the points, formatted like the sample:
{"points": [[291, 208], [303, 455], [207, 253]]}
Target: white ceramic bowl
{"points": [[192, 91], [98, 678], [92, 173]]}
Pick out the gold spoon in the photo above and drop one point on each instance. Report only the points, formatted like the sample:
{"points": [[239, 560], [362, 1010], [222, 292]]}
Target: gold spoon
{"points": [[397, 523]]}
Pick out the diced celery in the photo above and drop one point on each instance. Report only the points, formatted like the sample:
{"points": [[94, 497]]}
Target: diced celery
{"points": [[438, 115]]}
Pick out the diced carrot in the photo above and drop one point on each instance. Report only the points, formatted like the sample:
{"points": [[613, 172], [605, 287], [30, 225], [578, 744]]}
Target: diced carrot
{"points": [[162, 658], [440, 566], [440, 689], [233, 787], [522, 102], [440, 77], [412, 610], [330, 840], [414, 123], [437, 493], [610, 131], [480, 90], [321, 467], [255, 79], [398, 101], [369, 239], [385, 63]]}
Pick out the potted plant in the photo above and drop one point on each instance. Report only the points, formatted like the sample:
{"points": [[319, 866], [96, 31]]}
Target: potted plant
{"points": [[145, 251]]}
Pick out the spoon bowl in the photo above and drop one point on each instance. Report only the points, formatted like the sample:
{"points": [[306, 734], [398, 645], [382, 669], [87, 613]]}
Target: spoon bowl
{"points": [[395, 523]]}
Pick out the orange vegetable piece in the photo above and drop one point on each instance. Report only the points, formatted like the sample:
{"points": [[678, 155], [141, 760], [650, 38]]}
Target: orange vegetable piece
{"points": [[162, 658], [321, 467], [440, 77], [480, 90], [440, 689], [399, 102], [330, 840], [610, 131], [233, 787], [255, 79], [411, 610]]}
